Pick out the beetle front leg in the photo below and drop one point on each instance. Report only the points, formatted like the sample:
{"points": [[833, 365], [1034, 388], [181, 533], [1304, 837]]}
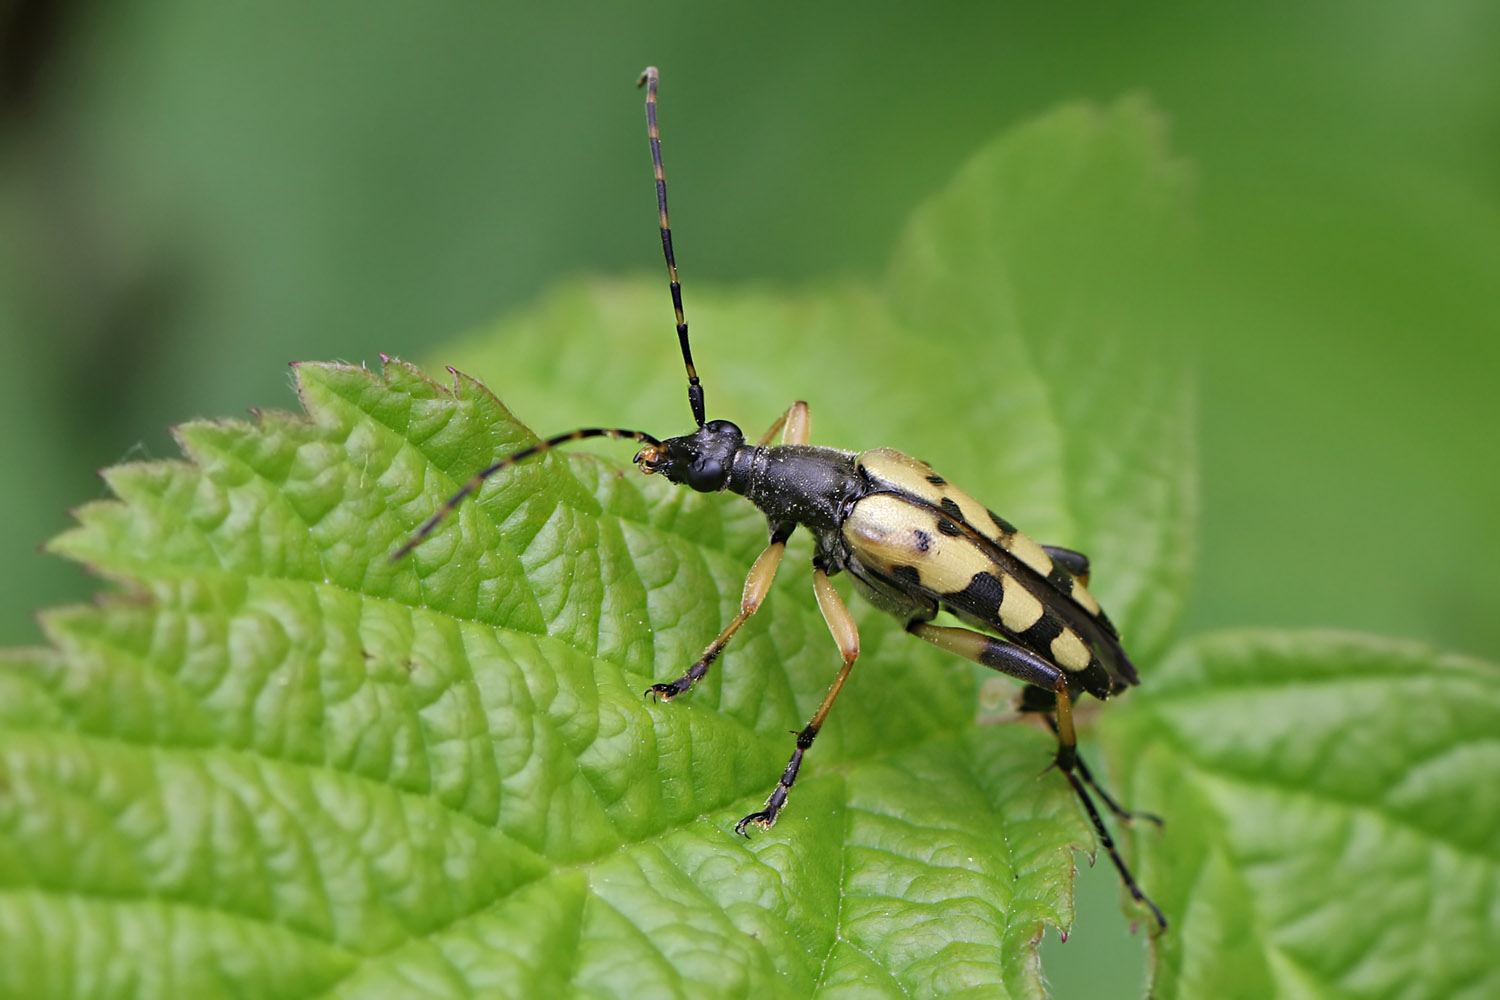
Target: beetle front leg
{"points": [[846, 635], [795, 425], [1008, 658], [757, 585]]}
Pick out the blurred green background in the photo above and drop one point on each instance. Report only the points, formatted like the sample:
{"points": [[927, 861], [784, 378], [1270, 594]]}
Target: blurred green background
{"points": [[193, 194]]}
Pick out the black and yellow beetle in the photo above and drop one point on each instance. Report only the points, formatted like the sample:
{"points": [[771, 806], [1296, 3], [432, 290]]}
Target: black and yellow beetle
{"points": [[913, 543]]}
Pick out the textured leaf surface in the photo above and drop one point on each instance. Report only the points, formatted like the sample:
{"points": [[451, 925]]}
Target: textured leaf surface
{"points": [[272, 762], [279, 759], [1334, 817]]}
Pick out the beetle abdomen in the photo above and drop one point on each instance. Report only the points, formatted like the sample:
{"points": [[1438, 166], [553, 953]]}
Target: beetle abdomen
{"points": [[929, 535], [904, 474]]}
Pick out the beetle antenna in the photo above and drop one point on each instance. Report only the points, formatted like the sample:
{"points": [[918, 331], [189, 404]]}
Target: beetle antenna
{"points": [[473, 484], [648, 80]]}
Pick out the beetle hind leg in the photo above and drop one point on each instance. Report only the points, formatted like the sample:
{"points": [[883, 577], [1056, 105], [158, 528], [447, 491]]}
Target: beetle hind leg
{"points": [[1074, 768], [1047, 692], [1044, 703]]}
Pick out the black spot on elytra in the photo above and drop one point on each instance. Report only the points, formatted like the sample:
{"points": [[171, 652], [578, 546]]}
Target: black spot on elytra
{"points": [[1039, 637], [947, 527], [907, 574], [937, 480], [924, 540], [1002, 523], [981, 597], [952, 509]]}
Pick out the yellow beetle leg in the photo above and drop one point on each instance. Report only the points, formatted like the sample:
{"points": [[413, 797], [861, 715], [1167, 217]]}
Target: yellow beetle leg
{"points": [[846, 635], [757, 585]]}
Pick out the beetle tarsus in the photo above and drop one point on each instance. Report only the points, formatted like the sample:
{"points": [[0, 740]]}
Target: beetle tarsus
{"points": [[1108, 844], [764, 819], [666, 692]]}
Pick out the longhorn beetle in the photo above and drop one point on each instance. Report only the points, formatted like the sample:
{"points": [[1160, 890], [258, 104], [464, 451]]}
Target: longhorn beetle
{"points": [[912, 542]]}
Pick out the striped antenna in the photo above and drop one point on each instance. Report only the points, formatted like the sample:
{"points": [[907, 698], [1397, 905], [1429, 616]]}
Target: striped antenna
{"points": [[649, 80], [432, 522]]}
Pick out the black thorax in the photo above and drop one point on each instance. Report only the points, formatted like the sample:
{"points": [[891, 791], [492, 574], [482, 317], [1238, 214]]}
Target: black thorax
{"points": [[806, 484]]}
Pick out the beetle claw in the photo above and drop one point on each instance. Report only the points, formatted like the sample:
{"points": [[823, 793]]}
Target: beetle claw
{"points": [[763, 819]]}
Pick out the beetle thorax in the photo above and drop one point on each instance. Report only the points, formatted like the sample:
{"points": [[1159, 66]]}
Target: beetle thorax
{"points": [[800, 483]]}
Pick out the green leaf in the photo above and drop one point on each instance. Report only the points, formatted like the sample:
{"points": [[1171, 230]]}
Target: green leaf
{"points": [[272, 762], [1333, 816]]}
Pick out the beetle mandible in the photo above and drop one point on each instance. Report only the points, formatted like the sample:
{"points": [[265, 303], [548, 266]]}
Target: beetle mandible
{"points": [[912, 542]]}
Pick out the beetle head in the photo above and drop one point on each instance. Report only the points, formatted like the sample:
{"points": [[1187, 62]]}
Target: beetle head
{"points": [[701, 459]]}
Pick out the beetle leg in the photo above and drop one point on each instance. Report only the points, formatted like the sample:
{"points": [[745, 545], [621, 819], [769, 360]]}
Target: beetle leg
{"points": [[1008, 658], [1067, 739], [1074, 562], [757, 584], [986, 650], [846, 635], [1044, 703], [798, 423], [1125, 815]]}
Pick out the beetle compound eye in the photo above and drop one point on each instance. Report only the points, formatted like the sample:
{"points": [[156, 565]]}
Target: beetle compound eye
{"points": [[707, 475]]}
